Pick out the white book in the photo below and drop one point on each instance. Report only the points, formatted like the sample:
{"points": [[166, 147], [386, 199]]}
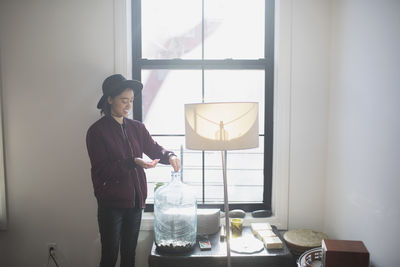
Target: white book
{"points": [[273, 242], [260, 226], [261, 234]]}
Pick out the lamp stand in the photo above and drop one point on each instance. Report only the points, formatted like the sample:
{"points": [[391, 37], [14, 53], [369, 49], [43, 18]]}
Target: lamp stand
{"points": [[226, 205]]}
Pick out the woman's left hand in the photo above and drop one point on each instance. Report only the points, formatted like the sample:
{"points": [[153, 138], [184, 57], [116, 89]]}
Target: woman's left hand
{"points": [[146, 164], [175, 163]]}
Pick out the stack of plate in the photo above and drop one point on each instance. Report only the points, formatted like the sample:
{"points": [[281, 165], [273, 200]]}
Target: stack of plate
{"points": [[301, 240], [310, 258]]}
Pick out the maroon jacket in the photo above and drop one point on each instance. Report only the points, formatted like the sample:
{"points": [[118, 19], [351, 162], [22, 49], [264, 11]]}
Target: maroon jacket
{"points": [[112, 147]]}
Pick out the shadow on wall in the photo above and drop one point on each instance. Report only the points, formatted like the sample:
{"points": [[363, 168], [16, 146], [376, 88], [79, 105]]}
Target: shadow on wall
{"points": [[95, 252]]}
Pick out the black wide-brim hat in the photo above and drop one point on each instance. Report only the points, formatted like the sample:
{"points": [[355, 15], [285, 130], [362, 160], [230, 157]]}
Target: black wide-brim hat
{"points": [[116, 84]]}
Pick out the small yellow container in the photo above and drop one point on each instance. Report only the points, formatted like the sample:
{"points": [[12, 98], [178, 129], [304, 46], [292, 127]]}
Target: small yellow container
{"points": [[237, 226]]}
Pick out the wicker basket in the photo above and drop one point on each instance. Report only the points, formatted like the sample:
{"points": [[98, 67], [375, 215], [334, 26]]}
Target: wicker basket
{"points": [[301, 240]]}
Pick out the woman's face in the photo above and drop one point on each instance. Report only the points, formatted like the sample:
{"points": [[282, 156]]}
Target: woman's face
{"points": [[121, 105]]}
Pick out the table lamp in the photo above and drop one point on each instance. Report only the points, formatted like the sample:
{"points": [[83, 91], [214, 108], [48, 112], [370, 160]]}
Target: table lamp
{"points": [[222, 127]]}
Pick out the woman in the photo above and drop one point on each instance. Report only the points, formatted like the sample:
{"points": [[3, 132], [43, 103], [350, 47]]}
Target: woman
{"points": [[116, 145]]}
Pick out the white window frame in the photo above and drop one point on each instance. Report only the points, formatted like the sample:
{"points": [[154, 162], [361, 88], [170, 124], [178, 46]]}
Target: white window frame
{"points": [[282, 101]]}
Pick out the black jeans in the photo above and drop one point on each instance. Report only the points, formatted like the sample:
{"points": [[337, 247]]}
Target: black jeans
{"points": [[118, 226]]}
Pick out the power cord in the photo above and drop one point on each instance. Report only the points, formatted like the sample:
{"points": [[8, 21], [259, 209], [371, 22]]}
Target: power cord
{"points": [[51, 252]]}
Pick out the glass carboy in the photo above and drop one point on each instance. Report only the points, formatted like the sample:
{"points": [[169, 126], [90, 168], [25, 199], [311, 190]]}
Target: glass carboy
{"points": [[175, 216]]}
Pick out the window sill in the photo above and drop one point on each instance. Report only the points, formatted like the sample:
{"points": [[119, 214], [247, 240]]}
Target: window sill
{"points": [[148, 221]]}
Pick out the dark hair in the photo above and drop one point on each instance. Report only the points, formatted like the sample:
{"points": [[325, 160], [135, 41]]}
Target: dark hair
{"points": [[106, 107]]}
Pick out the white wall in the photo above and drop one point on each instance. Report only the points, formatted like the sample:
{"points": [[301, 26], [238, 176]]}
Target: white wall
{"points": [[310, 46], [54, 56], [362, 198]]}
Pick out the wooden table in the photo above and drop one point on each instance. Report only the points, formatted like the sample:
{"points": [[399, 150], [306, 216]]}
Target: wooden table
{"points": [[216, 257]]}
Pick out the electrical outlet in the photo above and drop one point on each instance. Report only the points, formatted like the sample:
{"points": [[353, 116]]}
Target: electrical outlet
{"points": [[52, 247]]}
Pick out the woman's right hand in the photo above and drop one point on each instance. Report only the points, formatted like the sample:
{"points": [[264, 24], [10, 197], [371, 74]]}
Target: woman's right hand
{"points": [[175, 163], [146, 164]]}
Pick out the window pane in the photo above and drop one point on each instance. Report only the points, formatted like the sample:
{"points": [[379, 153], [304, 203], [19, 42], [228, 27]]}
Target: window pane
{"points": [[164, 94], [235, 29], [236, 85], [245, 176], [171, 29], [244, 172]]}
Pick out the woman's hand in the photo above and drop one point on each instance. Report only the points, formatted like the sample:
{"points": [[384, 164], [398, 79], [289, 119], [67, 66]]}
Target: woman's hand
{"points": [[175, 162], [146, 164]]}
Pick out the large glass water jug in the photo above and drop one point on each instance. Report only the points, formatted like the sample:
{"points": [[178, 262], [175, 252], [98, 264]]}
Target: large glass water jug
{"points": [[175, 216]]}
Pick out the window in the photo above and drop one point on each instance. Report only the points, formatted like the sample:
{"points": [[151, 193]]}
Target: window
{"points": [[206, 51]]}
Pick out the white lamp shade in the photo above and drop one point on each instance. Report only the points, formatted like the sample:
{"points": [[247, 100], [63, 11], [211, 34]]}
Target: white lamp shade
{"points": [[221, 126]]}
